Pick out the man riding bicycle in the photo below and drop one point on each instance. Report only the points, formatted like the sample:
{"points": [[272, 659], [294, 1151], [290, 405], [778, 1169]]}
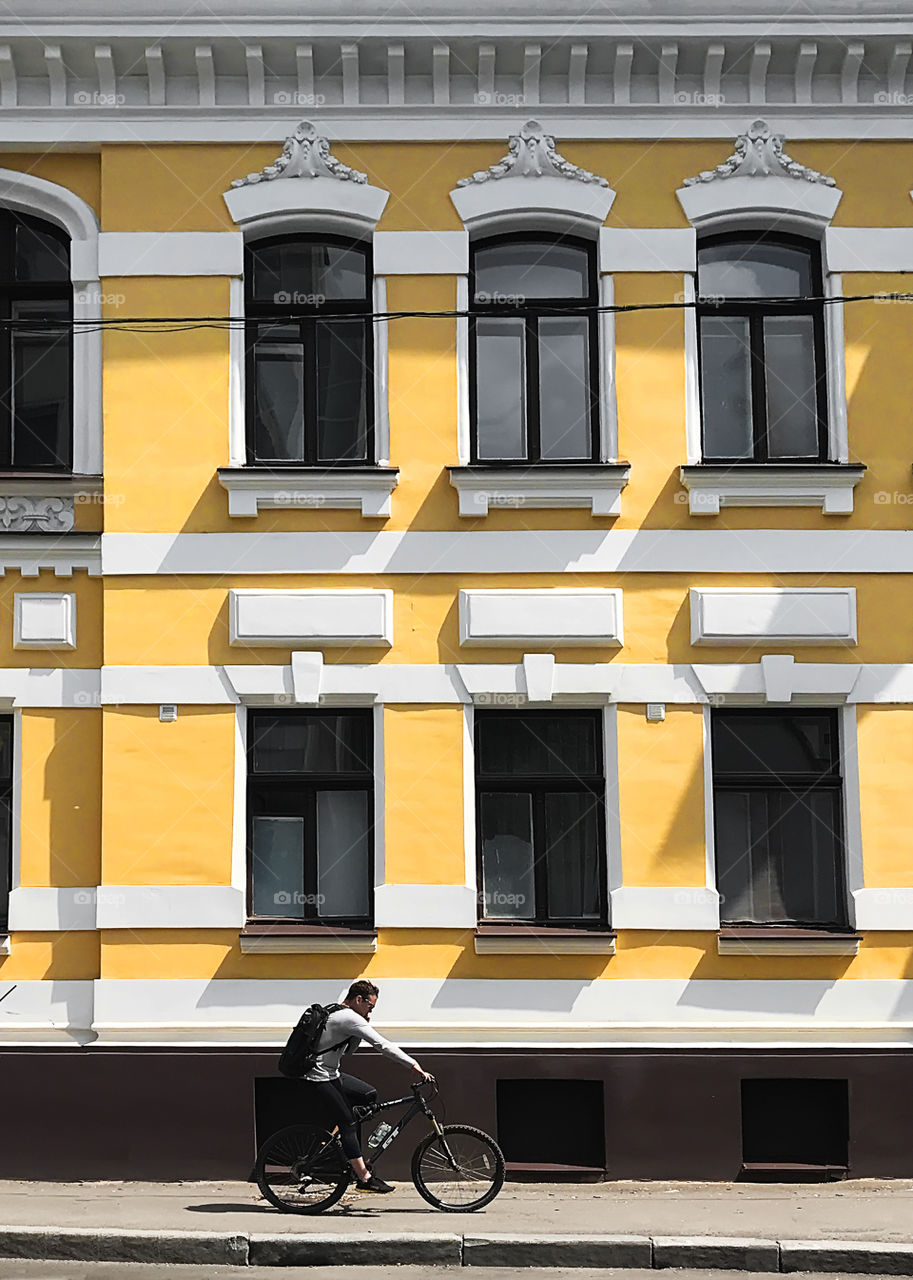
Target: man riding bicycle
{"points": [[336, 1093]]}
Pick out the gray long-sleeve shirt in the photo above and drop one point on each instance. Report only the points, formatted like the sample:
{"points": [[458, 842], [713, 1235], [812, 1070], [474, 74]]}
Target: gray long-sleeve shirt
{"points": [[350, 1028]]}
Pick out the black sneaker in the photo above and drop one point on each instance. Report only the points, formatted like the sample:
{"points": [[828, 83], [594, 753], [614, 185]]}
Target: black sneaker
{"points": [[375, 1184]]}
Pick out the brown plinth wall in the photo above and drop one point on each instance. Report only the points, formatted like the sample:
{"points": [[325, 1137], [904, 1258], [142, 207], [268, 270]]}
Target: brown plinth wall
{"points": [[184, 1113]]}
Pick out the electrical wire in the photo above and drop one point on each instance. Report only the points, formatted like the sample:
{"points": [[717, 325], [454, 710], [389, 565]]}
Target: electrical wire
{"points": [[189, 324]]}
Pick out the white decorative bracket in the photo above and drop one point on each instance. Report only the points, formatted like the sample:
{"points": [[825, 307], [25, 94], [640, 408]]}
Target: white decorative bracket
{"points": [[535, 183], [307, 672], [539, 673]]}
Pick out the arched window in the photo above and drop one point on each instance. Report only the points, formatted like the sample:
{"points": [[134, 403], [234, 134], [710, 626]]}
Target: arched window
{"points": [[36, 306], [309, 352], [534, 352], [762, 349]]}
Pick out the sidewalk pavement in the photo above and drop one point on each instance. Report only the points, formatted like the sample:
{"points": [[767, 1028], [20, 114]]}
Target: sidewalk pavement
{"points": [[865, 1226]]}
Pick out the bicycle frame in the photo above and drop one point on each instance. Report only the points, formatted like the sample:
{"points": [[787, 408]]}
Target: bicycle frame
{"points": [[418, 1107]]}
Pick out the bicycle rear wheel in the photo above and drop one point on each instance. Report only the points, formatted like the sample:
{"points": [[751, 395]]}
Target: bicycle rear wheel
{"points": [[302, 1169], [458, 1170]]}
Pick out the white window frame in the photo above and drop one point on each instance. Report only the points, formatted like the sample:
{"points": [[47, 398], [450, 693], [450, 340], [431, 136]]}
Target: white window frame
{"points": [[306, 206], [26, 194], [768, 205], [852, 833]]}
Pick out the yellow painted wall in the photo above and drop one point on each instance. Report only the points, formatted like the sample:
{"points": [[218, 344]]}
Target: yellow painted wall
{"points": [[80, 172], [60, 826], [441, 954], [185, 622], [885, 738], [51, 956], [168, 791], [661, 797], [423, 771]]}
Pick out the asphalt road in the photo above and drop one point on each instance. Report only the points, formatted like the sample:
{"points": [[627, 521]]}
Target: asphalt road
{"points": [[11, 1269]]}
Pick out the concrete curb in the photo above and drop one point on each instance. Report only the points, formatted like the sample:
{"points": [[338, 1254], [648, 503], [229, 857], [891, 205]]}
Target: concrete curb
{"points": [[104, 1244], [437, 1249], [448, 1249]]}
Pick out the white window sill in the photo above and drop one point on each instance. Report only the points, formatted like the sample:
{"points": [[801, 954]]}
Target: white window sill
{"points": [[368, 489], [596, 486], [594, 944], [823, 946], [827, 485], [306, 944]]}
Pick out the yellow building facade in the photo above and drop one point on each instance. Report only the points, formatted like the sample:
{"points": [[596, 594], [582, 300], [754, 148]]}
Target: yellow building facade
{"points": [[471, 554]]}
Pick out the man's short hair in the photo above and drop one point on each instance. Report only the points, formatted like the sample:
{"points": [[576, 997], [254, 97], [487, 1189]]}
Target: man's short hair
{"points": [[362, 988]]}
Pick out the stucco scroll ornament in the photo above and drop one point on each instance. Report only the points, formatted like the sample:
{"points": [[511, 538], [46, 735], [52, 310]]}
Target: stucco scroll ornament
{"points": [[305, 155], [24, 514], [759, 154], [532, 154]]}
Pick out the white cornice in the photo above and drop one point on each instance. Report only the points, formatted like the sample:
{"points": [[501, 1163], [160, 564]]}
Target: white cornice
{"points": [[197, 79]]}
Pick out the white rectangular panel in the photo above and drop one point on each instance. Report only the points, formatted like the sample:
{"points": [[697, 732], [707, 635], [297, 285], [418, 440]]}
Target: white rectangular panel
{"points": [[311, 619], [790, 615], [559, 616]]}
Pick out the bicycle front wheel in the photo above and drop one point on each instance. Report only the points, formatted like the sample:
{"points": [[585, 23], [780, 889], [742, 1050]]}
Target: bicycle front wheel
{"points": [[302, 1169], [459, 1169]]}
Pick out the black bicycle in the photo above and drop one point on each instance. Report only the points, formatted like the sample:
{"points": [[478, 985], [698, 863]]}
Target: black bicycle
{"points": [[302, 1169]]}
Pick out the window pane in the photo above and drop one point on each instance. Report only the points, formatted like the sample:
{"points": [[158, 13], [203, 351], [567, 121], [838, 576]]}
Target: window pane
{"points": [[792, 403], [746, 270], [39, 255], [775, 743], [279, 391], [726, 387], [326, 743], [538, 745], [343, 862], [508, 888], [41, 387], [777, 857], [5, 861], [6, 751], [306, 274], [530, 269], [564, 388], [278, 866], [341, 386], [501, 388], [572, 856]]}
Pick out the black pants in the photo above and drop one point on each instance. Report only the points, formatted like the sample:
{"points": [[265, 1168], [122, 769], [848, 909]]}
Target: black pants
{"points": [[330, 1102]]}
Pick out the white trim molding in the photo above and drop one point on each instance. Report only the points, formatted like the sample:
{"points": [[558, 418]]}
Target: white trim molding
{"points": [[421, 253], [826, 485], [39, 909], [170, 253], [532, 186], [759, 183], [778, 678], [759, 615], [479, 551], [596, 487], [47, 1011], [532, 1012], [556, 616], [27, 194], [883, 910], [647, 249], [870, 249], [44, 620], [169, 906], [367, 489], [425, 906], [683, 908], [302, 618], [306, 187]]}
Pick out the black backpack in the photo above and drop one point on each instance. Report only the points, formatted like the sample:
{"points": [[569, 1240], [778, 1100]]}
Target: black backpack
{"points": [[300, 1053]]}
